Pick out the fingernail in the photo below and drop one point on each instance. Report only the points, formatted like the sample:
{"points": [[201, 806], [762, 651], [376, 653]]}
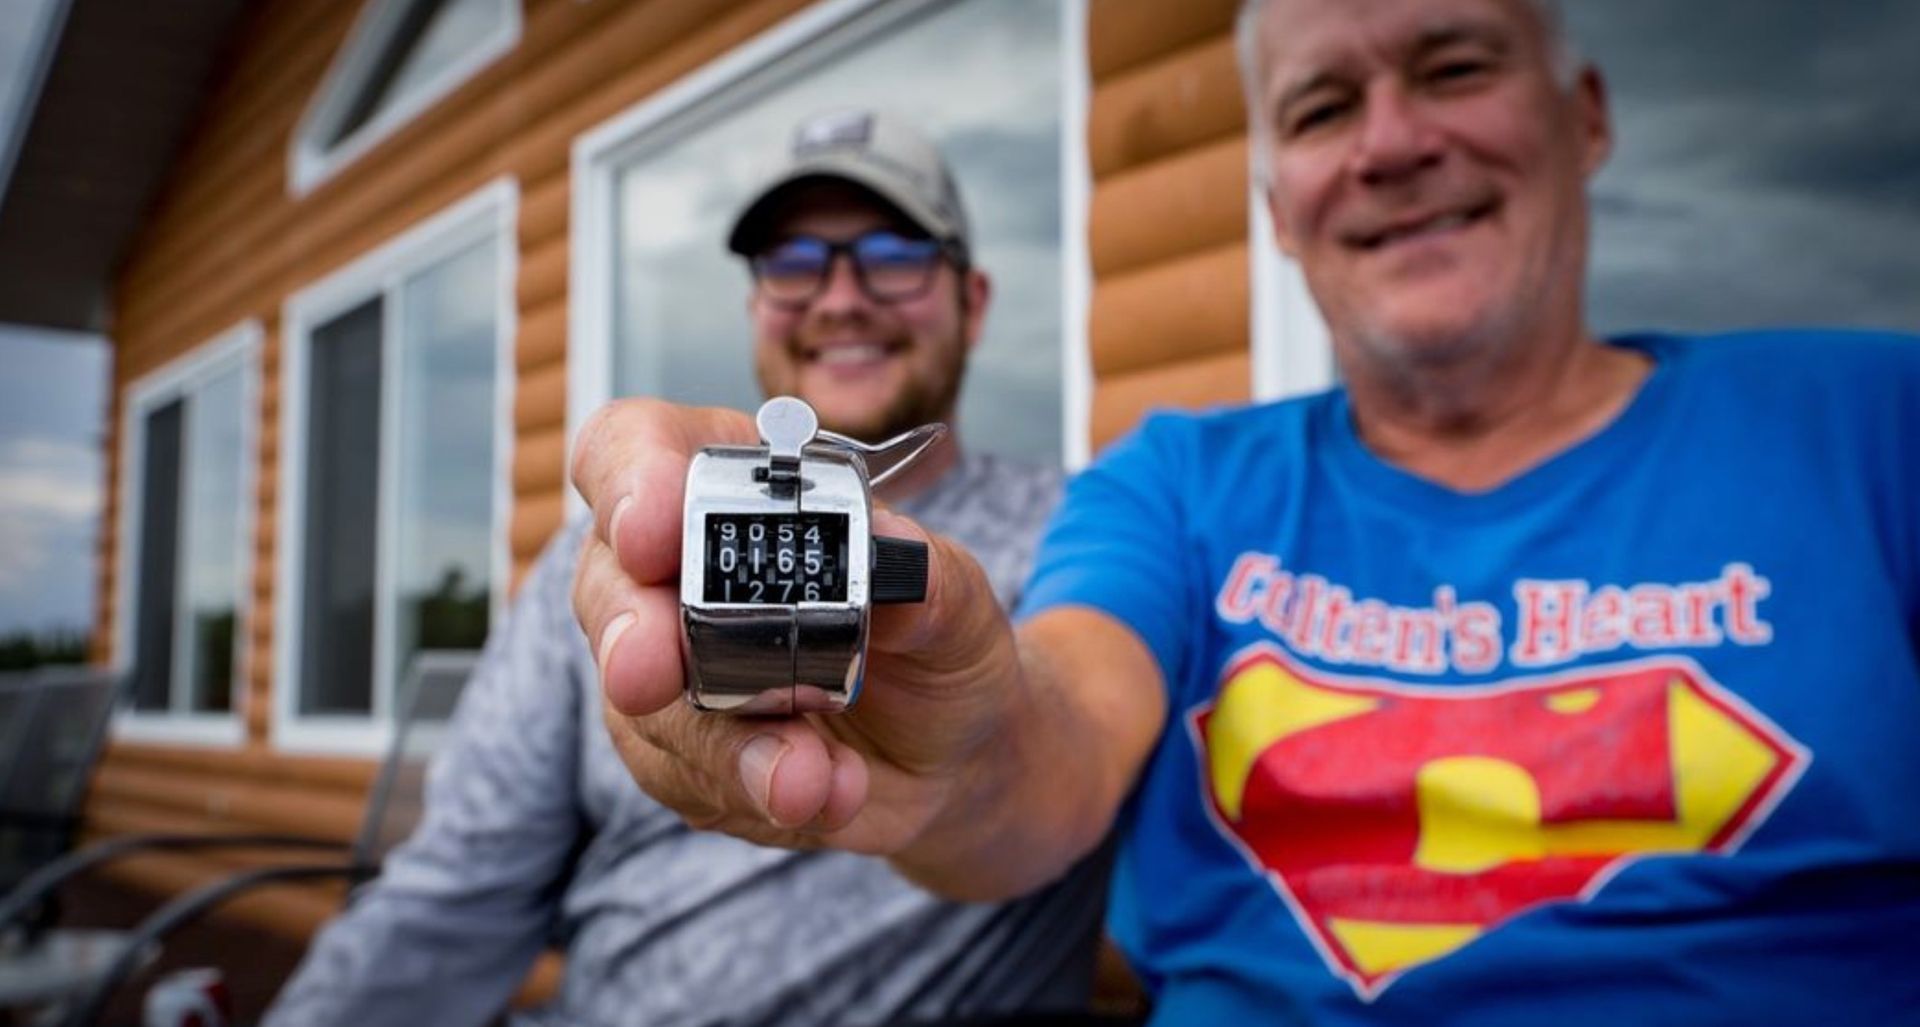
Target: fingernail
{"points": [[611, 634], [757, 759], [613, 523]]}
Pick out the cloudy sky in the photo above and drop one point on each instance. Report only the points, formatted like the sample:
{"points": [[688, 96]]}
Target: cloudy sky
{"points": [[1768, 163], [52, 418]]}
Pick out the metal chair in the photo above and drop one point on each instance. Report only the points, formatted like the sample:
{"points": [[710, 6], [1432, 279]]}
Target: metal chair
{"points": [[53, 724], [428, 694]]}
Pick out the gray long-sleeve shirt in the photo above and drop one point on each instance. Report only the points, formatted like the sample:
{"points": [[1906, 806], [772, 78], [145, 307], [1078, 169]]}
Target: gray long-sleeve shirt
{"points": [[534, 833]]}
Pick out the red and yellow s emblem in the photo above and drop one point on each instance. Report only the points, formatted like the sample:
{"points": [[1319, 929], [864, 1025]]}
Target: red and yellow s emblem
{"points": [[1400, 823]]}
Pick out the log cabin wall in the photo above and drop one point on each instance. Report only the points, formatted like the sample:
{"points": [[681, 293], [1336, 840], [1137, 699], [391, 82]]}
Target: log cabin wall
{"points": [[227, 241], [1167, 224]]}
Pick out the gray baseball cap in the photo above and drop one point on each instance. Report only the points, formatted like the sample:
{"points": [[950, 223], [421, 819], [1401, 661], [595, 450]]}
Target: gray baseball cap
{"points": [[878, 152]]}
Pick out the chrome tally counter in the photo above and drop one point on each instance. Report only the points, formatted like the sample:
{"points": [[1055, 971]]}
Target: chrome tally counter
{"points": [[779, 566]]}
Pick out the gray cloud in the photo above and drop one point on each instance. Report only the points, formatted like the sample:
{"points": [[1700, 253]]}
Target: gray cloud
{"points": [[998, 167], [51, 383], [52, 418], [1767, 167]]}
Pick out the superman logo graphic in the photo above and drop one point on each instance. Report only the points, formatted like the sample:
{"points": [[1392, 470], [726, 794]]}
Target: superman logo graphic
{"points": [[1399, 824]]}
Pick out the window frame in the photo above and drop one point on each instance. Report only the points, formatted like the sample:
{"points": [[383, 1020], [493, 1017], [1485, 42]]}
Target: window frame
{"points": [[311, 161], [1292, 351], [237, 348], [488, 214], [600, 154]]}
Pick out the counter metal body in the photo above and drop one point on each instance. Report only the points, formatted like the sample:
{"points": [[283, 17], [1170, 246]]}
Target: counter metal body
{"points": [[774, 658]]}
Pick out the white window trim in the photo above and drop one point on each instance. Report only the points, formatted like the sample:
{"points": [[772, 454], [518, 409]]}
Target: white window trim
{"points": [[1292, 353], [1076, 267], [310, 161], [599, 153], [490, 213], [238, 346]]}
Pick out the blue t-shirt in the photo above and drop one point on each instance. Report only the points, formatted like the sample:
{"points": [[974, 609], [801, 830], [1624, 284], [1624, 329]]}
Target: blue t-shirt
{"points": [[1632, 738]]}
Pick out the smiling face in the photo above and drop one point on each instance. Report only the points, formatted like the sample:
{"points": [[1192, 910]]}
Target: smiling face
{"points": [[870, 369], [1428, 170]]}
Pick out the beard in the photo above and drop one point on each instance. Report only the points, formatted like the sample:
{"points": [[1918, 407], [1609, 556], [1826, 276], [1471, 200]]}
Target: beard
{"points": [[1404, 352], [929, 393], [1435, 369], [919, 401]]}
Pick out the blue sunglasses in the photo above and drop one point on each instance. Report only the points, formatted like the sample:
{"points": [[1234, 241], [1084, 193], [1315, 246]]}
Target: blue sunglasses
{"points": [[889, 266]]}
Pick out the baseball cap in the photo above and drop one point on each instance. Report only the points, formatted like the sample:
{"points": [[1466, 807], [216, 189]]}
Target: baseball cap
{"points": [[878, 152]]}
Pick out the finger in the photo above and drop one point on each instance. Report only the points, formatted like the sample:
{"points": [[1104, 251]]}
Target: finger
{"points": [[959, 604], [938, 670], [786, 769], [765, 772], [634, 630], [677, 784], [710, 797], [847, 792], [630, 465]]}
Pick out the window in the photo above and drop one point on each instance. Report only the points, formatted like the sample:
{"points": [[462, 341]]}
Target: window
{"points": [[1736, 196], [186, 472], [658, 309], [396, 415], [401, 57]]}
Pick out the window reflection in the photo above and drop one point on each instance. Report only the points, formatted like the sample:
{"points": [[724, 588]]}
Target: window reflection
{"points": [[159, 558], [343, 481], [213, 542], [446, 458], [190, 506], [981, 79]]}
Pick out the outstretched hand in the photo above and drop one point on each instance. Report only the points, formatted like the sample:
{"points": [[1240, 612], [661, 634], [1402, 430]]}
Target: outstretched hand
{"points": [[940, 677]]}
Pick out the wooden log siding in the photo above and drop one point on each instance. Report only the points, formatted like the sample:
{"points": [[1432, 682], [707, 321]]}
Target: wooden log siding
{"points": [[226, 241], [334, 815], [533, 520], [105, 571], [251, 763], [1186, 99], [1175, 206], [1201, 382], [296, 912], [543, 325], [543, 284], [540, 351], [541, 400], [540, 464], [1167, 222], [1124, 34], [1167, 314]]}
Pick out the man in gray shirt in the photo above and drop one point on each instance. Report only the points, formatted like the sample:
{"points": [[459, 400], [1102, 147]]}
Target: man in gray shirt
{"points": [[865, 303]]}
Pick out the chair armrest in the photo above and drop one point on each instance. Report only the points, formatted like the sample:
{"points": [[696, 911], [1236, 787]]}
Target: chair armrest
{"points": [[184, 910], [36, 819], [42, 882]]}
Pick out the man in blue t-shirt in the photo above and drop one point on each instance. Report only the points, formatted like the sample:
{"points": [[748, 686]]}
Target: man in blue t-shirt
{"points": [[1529, 677]]}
